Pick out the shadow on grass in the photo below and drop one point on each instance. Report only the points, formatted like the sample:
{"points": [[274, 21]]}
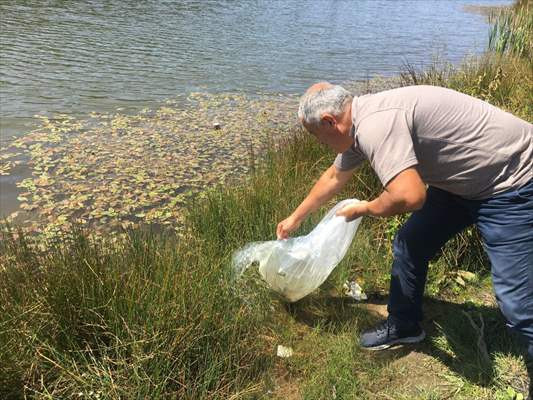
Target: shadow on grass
{"points": [[453, 331], [330, 313], [467, 337]]}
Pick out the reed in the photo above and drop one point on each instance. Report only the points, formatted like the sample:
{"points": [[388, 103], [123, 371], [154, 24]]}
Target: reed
{"points": [[512, 30], [156, 317]]}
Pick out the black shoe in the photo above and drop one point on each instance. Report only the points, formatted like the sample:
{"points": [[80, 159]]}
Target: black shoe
{"points": [[391, 332]]}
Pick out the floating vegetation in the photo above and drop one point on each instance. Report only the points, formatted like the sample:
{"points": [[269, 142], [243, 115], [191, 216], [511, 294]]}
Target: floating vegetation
{"points": [[114, 170]]}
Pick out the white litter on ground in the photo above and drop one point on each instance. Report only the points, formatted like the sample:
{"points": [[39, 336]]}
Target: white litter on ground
{"points": [[284, 352], [353, 290]]}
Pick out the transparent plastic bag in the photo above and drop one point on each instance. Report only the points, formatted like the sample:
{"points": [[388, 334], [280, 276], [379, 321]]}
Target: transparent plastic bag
{"points": [[296, 266]]}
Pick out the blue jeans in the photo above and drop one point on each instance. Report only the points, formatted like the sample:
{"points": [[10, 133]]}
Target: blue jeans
{"points": [[505, 222]]}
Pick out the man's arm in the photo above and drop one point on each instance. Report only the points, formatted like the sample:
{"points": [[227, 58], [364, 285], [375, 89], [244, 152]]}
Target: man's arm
{"points": [[327, 186], [404, 193]]}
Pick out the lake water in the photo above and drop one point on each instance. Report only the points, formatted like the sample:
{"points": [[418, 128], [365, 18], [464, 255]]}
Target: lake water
{"points": [[79, 57]]}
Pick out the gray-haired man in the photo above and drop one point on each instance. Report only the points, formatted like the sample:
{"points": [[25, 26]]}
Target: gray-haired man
{"points": [[477, 161]]}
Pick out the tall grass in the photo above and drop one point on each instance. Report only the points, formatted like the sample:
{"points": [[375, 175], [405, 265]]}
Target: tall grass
{"points": [[156, 315], [512, 30], [155, 318]]}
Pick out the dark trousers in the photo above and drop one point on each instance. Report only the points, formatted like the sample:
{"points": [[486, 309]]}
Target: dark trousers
{"points": [[505, 222]]}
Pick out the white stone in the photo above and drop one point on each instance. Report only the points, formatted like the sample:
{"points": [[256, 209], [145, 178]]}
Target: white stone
{"points": [[284, 352]]}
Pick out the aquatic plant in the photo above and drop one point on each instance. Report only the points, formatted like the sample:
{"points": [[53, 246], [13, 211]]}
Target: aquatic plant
{"points": [[118, 171], [512, 30]]}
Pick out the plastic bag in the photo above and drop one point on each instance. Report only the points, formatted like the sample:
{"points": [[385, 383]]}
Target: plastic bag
{"points": [[296, 266]]}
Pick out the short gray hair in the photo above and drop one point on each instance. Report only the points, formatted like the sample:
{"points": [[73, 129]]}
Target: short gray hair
{"points": [[331, 99]]}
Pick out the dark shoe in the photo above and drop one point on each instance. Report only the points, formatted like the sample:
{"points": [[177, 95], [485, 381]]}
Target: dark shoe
{"points": [[390, 332]]}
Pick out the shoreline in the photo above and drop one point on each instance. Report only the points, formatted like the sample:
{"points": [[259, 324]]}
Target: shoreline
{"points": [[486, 10]]}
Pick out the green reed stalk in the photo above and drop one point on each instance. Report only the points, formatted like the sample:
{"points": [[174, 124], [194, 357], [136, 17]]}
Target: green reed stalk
{"points": [[512, 30]]}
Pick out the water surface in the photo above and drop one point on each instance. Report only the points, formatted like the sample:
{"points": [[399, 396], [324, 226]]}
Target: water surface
{"points": [[76, 57]]}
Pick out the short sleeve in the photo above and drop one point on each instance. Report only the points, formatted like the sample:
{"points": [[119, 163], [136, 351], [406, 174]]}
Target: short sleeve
{"points": [[350, 159], [385, 139]]}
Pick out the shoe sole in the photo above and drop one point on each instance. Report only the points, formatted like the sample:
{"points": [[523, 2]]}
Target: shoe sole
{"points": [[407, 340]]}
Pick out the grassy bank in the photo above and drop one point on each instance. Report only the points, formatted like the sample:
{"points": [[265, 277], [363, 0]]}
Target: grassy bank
{"points": [[159, 315]]}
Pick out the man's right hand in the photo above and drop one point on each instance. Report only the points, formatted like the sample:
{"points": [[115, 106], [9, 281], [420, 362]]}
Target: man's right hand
{"points": [[329, 184], [287, 226]]}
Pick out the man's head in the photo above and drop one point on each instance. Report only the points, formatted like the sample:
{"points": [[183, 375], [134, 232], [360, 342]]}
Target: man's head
{"points": [[326, 112]]}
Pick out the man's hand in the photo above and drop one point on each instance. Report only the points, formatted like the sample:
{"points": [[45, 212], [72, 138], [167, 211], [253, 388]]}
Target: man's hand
{"points": [[329, 184], [287, 226], [354, 211]]}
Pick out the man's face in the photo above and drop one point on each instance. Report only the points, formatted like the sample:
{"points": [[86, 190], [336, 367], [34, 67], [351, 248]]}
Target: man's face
{"points": [[328, 133]]}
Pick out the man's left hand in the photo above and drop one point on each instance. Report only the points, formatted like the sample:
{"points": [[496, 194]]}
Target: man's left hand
{"points": [[354, 211]]}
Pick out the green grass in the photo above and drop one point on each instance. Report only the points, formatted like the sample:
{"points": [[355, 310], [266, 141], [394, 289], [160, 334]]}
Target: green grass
{"points": [[161, 316], [156, 318], [512, 29]]}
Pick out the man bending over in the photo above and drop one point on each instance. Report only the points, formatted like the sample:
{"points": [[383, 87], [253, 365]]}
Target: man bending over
{"points": [[477, 163]]}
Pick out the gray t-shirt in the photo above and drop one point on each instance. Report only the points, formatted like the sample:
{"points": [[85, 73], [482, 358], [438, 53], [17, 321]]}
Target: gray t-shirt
{"points": [[459, 143]]}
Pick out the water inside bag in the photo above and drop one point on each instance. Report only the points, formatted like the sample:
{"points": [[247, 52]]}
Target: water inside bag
{"points": [[296, 266]]}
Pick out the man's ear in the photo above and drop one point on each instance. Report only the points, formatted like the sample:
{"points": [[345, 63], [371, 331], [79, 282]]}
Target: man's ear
{"points": [[329, 119]]}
